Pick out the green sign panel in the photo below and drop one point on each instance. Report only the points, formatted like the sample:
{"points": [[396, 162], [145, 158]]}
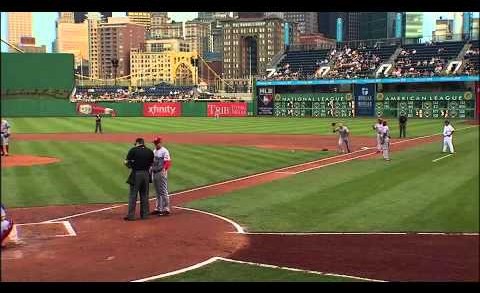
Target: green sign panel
{"points": [[426, 105], [314, 105]]}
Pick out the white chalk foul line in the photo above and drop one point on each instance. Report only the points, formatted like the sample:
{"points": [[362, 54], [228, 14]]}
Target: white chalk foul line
{"points": [[297, 270], [251, 176], [196, 266], [217, 258], [438, 159], [363, 233]]}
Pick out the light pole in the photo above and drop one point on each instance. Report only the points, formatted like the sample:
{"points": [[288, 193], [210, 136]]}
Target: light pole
{"points": [[115, 66]]}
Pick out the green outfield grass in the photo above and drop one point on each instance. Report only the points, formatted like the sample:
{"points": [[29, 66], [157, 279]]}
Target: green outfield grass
{"points": [[410, 193], [223, 271], [94, 172], [358, 126]]}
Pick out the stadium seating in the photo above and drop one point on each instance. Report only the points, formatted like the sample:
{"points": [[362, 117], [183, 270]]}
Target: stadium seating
{"points": [[304, 62], [472, 59]]}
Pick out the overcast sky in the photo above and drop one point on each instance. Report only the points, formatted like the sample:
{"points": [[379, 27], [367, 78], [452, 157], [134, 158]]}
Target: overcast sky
{"points": [[44, 24]]}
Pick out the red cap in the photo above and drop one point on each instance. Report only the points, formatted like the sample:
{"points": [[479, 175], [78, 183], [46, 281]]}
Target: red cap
{"points": [[157, 140]]}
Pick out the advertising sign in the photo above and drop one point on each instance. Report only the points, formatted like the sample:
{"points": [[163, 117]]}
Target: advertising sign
{"points": [[168, 109], [364, 99], [94, 109], [265, 101], [227, 109]]}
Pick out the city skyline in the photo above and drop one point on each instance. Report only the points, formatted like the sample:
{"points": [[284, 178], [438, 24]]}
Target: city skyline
{"points": [[44, 24]]}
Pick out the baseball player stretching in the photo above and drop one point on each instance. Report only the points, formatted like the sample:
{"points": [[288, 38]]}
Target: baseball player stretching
{"points": [[4, 135], [385, 140], [343, 138], [161, 164], [447, 137], [378, 130]]}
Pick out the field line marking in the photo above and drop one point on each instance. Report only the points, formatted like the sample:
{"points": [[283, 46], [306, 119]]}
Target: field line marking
{"points": [[363, 233], [438, 159], [286, 172], [297, 270], [247, 177], [69, 228], [196, 266], [236, 225], [334, 163]]}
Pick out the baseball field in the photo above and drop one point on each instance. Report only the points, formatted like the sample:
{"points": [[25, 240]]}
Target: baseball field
{"points": [[255, 199]]}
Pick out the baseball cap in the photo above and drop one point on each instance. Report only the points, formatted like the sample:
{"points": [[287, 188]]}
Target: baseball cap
{"points": [[157, 140]]}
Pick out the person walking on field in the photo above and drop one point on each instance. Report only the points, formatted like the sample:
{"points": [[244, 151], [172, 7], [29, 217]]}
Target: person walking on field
{"points": [[98, 123], [378, 131], [402, 121], [343, 138], [448, 137], [161, 164], [4, 137], [139, 159], [385, 139]]}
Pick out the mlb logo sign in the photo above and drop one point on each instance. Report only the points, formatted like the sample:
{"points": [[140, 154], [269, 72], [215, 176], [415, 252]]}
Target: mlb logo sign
{"points": [[364, 91]]}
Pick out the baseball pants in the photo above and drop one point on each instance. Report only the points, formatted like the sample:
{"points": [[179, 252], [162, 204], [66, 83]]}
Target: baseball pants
{"points": [[343, 145], [140, 186], [403, 130], [447, 142], [386, 149], [98, 127], [160, 182], [379, 142]]}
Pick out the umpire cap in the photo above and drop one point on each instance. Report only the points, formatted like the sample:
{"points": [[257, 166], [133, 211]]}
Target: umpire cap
{"points": [[140, 141]]}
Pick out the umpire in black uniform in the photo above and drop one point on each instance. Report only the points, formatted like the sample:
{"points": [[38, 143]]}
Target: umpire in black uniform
{"points": [[402, 120], [139, 159], [98, 123]]}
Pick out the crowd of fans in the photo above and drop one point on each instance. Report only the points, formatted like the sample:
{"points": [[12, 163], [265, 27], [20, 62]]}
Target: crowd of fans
{"points": [[352, 63], [471, 67], [362, 63], [138, 95]]}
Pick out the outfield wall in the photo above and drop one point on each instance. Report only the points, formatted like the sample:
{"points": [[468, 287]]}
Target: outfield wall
{"points": [[36, 74], [33, 107]]}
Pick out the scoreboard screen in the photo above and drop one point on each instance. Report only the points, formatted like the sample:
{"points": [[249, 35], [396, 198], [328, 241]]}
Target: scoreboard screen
{"points": [[314, 105], [426, 105]]}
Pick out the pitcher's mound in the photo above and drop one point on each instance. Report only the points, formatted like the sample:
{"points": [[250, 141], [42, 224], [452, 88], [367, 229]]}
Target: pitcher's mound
{"points": [[26, 160]]}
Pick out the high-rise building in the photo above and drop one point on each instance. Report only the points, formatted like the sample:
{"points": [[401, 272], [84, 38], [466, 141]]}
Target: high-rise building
{"points": [[143, 18], [250, 44], [150, 68], [116, 38], [247, 15], [443, 29], [215, 40], [307, 21], [197, 36], [66, 17], [212, 16], [350, 25], [93, 21], [377, 25], [80, 17], [19, 25], [27, 45], [475, 28], [164, 45], [73, 38], [413, 25], [167, 30]]}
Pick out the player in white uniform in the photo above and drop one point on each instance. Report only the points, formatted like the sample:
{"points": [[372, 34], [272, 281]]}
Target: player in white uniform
{"points": [[447, 137], [7, 226], [385, 139], [378, 131], [4, 135], [343, 138], [161, 164]]}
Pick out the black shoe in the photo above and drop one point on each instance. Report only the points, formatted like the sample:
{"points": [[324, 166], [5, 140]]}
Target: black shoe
{"points": [[155, 212], [128, 219]]}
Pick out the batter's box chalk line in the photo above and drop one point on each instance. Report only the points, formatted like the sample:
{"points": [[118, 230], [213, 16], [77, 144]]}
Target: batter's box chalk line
{"points": [[17, 230]]}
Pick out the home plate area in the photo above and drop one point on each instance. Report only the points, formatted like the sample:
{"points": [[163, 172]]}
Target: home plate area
{"points": [[29, 231]]}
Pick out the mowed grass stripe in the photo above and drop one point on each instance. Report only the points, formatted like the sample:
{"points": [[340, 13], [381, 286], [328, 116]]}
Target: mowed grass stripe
{"points": [[94, 172], [407, 194], [259, 125]]}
